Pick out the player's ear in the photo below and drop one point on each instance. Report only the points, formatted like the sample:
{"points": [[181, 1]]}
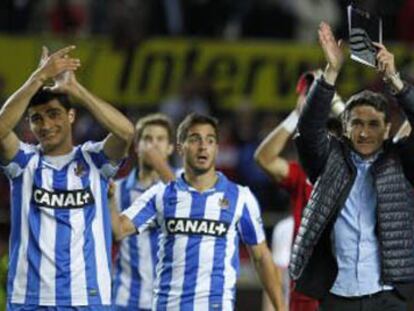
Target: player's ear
{"points": [[170, 149], [72, 115], [179, 147]]}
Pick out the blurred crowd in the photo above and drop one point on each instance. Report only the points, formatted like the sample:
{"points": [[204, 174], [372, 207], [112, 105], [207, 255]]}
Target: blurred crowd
{"points": [[130, 21]]}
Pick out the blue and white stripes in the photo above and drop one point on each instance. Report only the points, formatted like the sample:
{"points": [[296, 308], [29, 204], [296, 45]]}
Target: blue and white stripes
{"points": [[199, 240], [59, 256], [134, 271]]}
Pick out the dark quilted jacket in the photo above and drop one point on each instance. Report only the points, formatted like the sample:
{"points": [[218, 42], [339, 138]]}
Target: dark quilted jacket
{"points": [[326, 160]]}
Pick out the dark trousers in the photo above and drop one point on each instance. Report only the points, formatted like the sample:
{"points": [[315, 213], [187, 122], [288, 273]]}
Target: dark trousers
{"points": [[382, 301]]}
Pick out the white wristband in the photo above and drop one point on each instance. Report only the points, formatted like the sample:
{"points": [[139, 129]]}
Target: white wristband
{"points": [[337, 106], [291, 121]]}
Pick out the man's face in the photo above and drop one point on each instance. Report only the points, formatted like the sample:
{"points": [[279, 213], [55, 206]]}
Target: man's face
{"points": [[51, 124], [157, 137], [367, 129], [200, 148]]}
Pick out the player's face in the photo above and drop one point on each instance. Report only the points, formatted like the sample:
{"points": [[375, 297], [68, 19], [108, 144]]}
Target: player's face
{"points": [[155, 136], [51, 124], [200, 148], [367, 130]]}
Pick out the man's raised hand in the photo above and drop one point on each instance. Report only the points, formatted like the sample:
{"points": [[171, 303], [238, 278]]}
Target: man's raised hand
{"points": [[332, 50], [52, 65]]}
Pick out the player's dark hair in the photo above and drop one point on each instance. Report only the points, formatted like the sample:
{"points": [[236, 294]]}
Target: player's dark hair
{"points": [[367, 98], [44, 96], [195, 119]]}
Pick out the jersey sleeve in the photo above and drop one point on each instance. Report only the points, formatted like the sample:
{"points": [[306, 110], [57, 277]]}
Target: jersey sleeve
{"points": [[17, 165], [290, 181], [282, 242], [250, 225], [106, 167], [118, 194], [143, 211]]}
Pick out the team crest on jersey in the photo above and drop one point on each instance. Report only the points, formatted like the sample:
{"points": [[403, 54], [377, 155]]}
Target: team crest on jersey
{"points": [[79, 169], [62, 199], [224, 203], [196, 226]]}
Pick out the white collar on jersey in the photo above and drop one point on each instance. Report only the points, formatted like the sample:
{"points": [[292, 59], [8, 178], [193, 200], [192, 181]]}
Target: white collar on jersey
{"points": [[58, 162]]}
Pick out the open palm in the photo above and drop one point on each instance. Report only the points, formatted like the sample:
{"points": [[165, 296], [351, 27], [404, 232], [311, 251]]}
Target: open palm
{"points": [[55, 64], [65, 82], [331, 48]]}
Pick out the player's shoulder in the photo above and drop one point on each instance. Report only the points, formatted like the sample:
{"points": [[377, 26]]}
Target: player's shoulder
{"points": [[29, 148], [159, 188], [129, 180], [244, 191], [91, 146]]}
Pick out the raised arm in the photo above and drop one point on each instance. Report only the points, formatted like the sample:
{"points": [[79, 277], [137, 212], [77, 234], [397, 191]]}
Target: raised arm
{"points": [[150, 155], [404, 94], [267, 155], [269, 276], [387, 68], [120, 128], [16, 105], [313, 141]]}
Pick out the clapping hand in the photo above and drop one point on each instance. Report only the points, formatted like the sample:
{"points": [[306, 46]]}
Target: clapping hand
{"points": [[55, 64]]}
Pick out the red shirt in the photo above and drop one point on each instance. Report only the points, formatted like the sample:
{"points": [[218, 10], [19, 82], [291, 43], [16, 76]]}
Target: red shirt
{"points": [[299, 188]]}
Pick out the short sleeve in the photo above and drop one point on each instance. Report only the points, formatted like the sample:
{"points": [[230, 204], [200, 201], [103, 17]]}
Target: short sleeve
{"points": [[118, 194], [250, 226], [17, 165], [105, 166], [282, 242], [143, 211], [295, 173]]}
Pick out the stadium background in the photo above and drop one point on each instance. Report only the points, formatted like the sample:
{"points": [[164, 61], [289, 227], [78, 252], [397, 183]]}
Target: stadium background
{"points": [[237, 59]]}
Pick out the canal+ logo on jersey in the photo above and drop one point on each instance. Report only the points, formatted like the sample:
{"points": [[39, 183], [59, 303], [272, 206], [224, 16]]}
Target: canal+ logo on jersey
{"points": [[62, 199], [196, 226]]}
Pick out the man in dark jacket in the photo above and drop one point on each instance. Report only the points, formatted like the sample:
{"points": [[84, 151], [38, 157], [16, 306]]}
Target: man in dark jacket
{"points": [[355, 246]]}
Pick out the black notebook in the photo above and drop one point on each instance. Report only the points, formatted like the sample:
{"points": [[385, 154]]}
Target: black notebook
{"points": [[364, 28]]}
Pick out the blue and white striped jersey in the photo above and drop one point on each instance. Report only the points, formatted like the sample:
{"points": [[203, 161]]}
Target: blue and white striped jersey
{"points": [[60, 228], [198, 257], [134, 270]]}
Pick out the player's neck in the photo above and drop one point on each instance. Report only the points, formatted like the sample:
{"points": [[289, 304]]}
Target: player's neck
{"points": [[201, 182], [58, 150], [146, 177]]}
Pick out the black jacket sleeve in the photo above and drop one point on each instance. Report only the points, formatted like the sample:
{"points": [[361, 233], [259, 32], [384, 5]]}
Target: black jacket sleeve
{"points": [[406, 149], [313, 140]]}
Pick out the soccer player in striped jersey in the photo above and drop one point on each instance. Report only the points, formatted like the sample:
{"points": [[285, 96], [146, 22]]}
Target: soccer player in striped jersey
{"points": [[135, 262], [60, 223], [202, 216]]}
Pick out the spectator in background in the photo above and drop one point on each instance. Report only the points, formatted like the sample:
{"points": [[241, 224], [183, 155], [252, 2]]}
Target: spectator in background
{"points": [[237, 12], [98, 16], [68, 17], [308, 14], [405, 22], [174, 18], [289, 175], [195, 95], [227, 157], [134, 271], [18, 15], [249, 128]]}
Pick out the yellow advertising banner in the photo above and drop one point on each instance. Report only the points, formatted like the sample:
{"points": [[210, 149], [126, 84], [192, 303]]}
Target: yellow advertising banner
{"points": [[264, 72]]}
